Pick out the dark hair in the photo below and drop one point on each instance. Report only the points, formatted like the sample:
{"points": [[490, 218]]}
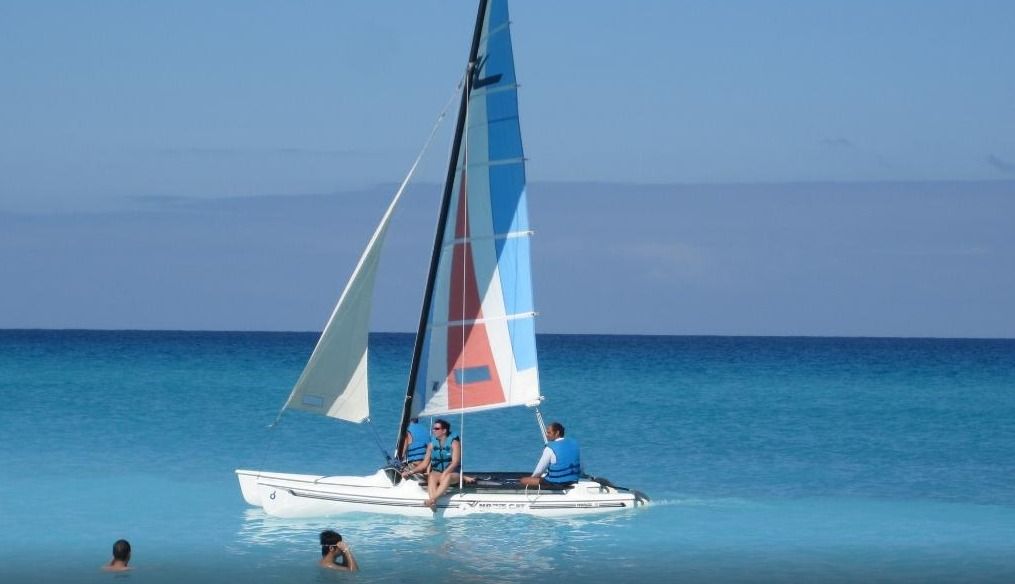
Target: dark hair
{"points": [[443, 424], [328, 539], [557, 427], [121, 550]]}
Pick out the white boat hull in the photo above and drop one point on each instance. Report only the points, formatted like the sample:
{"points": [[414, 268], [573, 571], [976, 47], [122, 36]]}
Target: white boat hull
{"points": [[295, 495]]}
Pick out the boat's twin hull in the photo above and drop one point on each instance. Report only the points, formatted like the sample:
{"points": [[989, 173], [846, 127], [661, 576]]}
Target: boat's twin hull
{"points": [[294, 495]]}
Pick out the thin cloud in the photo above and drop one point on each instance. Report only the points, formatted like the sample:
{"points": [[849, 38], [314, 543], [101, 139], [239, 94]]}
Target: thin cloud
{"points": [[665, 260], [237, 151], [837, 143], [1000, 164], [952, 251]]}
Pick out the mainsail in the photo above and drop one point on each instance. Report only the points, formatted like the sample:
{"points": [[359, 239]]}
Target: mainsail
{"points": [[478, 346]]}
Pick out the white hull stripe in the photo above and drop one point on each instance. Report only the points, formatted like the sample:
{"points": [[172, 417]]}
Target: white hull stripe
{"points": [[582, 504]]}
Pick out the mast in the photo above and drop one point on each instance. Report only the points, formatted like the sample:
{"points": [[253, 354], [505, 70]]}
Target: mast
{"points": [[449, 181]]}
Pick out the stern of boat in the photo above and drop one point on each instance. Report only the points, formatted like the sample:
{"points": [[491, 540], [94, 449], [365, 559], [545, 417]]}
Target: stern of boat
{"points": [[637, 498]]}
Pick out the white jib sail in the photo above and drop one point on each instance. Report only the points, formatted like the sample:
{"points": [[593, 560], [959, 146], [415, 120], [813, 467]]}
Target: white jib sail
{"points": [[334, 381]]}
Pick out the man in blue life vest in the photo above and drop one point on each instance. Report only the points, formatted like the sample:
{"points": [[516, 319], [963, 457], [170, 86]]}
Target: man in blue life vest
{"points": [[561, 460], [417, 437]]}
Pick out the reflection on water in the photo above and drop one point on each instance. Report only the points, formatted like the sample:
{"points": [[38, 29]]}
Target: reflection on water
{"points": [[258, 528], [488, 548]]}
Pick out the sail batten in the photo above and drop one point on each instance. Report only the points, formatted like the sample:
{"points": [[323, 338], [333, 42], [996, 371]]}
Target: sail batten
{"points": [[491, 237], [498, 29], [496, 162], [482, 92], [458, 323]]}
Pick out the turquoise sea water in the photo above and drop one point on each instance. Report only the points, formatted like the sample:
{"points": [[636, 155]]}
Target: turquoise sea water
{"points": [[767, 459]]}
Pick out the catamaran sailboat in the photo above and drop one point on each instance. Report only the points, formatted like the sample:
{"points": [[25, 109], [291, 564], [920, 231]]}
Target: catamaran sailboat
{"points": [[475, 347]]}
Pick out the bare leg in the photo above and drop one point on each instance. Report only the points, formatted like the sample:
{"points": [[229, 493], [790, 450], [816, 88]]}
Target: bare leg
{"points": [[530, 481], [442, 485], [431, 487]]}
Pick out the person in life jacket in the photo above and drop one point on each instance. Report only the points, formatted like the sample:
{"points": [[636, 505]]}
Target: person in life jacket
{"points": [[416, 440], [561, 460], [443, 459]]}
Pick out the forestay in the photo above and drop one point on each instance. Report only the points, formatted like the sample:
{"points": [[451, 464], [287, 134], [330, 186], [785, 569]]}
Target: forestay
{"points": [[479, 349]]}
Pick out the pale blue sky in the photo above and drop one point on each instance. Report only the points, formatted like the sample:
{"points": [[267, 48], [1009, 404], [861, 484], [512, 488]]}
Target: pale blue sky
{"points": [[853, 158]]}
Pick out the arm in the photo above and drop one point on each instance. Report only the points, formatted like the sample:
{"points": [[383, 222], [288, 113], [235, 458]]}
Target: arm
{"points": [[544, 461], [405, 445], [456, 457], [421, 465], [350, 560]]}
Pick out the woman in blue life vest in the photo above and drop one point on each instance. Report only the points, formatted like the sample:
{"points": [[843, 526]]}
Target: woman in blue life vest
{"points": [[443, 458], [561, 460], [416, 440]]}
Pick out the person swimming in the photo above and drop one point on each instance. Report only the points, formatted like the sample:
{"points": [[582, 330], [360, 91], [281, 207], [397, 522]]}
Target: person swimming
{"points": [[121, 557], [335, 553]]}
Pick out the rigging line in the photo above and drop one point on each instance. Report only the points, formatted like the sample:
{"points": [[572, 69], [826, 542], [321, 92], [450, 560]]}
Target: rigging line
{"points": [[267, 449], [381, 227], [466, 257], [542, 426], [377, 439]]}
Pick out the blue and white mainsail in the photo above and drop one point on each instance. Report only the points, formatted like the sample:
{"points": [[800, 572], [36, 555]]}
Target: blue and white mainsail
{"points": [[479, 345]]}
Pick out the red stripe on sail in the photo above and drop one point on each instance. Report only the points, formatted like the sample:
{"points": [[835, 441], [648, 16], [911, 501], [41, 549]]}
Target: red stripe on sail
{"points": [[476, 357], [463, 306], [469, 358]]}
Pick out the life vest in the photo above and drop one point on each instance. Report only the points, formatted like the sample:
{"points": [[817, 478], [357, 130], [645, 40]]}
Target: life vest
{"points": [[416, 450], [440, 456], [568, 467]]}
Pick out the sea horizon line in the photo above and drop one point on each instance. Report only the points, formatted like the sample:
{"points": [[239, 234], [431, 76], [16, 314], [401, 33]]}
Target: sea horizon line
{"points": [[542, 334]]}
